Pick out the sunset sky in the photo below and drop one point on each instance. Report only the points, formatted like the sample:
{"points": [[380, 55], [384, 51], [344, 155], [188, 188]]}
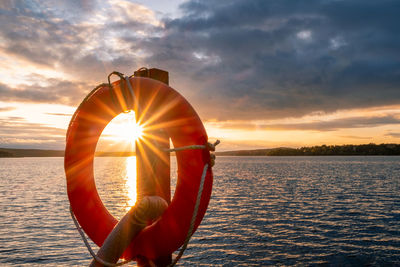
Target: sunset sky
{"points": [[260, 74]]}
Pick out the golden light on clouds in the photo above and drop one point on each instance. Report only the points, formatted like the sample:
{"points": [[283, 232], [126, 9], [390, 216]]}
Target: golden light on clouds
{"points": [[317, 91], [355, 126]]}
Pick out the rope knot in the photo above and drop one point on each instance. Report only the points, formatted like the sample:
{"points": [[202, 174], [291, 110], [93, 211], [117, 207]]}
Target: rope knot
{"points": [[211, 147]]}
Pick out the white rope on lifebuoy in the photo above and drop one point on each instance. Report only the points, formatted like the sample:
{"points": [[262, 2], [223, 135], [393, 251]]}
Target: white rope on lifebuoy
{"points": [[98, 259], [194, 216], [210, 147]]}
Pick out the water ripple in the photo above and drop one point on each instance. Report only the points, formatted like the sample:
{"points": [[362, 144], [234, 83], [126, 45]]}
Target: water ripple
{"points": [[336, 211]]}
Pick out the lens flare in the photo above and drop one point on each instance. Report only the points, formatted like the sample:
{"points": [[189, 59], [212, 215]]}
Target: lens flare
{"points": [[123, 130]]}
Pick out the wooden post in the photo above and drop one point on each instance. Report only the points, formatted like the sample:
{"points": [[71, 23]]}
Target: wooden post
{"points": [[153, 167]]}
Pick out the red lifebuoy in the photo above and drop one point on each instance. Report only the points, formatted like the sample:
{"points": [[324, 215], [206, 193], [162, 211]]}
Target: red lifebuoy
{"points": [[183, 126]]}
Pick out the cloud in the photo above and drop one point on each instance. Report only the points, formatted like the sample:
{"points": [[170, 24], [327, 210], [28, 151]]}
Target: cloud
{"points": [[5, 109], [279, 59], [354, 122], [54, 91], [393, 134], [356, 137], [16, 132], [233, 60], [60, 114], [315, 125], [86, 43]]}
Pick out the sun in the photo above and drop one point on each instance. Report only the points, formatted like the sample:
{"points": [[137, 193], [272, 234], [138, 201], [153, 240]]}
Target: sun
{"points": [[124, 128], [127, 128]]}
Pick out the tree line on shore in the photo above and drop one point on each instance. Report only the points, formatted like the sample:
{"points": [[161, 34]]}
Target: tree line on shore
{"points": [[324, 150], [366, 149]]}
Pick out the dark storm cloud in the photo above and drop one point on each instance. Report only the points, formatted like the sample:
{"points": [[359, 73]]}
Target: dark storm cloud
{"points": [[233, 60], [264, 59], [56, 92]]}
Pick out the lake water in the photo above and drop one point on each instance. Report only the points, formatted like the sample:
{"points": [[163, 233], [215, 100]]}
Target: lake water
{"points": [[264, 211]]}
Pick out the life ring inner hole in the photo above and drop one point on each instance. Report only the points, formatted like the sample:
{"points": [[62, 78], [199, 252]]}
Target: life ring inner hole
{"points": [[115, 164]]}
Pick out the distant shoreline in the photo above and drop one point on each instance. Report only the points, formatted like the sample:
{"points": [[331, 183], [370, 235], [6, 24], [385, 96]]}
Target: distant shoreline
{"points": [[324, 150], [21, 153]]}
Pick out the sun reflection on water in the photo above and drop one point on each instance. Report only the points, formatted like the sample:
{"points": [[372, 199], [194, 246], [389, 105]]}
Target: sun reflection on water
{"points": [[130, 181]]}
